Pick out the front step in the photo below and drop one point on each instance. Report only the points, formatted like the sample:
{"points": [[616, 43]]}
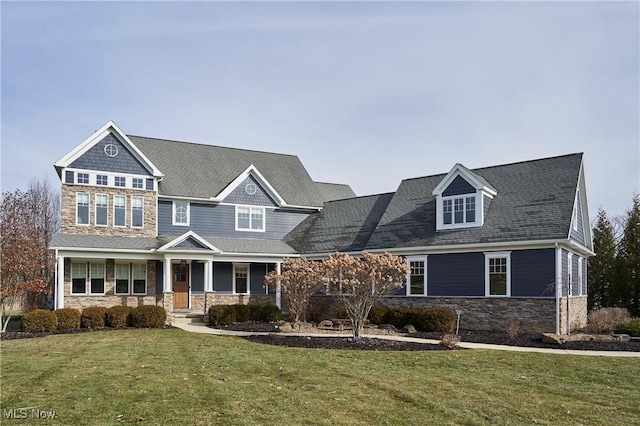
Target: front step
{"points": [[188, 317]]}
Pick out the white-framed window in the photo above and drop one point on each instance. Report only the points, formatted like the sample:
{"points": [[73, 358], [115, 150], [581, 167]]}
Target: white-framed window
{"points": [[250, 218], [119, 210], [102, 180], [574, 216], [82, 208], [241, 278], [137, 212], [417, 277], [120, 181], [139, 274], [497, 274], [79, 278], [570, 274], [447, 211], [580, 278], [122, 278], [97, 278], [82, 178], [136, 183], [102, 207], [181, 212]]}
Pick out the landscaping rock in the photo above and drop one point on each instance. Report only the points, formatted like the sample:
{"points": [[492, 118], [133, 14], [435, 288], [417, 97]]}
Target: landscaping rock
{"points": [[286, 327], [325, 324], [409, 329], [553, 338]]}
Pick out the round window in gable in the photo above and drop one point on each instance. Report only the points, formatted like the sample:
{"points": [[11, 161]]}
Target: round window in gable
{"points": [[111, 150], [250, 189]]}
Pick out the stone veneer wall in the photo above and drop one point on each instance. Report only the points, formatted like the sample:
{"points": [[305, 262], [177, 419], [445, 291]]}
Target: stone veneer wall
{"points": [[534, 314], [109, 298], [200, 302], [68, 224], [577, 313]]}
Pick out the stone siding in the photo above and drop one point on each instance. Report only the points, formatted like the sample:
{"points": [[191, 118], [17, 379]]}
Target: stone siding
{"points": [[577, 313], [68, 224], [481, 313], [81, 302]]}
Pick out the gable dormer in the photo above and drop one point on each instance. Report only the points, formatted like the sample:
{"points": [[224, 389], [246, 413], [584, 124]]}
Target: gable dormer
{"points": [[462, 199]]}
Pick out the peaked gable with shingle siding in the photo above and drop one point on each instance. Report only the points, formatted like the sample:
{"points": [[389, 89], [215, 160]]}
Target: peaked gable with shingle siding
{"points": [[119, 160]]}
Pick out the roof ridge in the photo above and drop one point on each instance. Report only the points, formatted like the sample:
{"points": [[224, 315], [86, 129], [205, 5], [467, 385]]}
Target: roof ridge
{"points": [[498, 165], [361, 196], [213, 146]]}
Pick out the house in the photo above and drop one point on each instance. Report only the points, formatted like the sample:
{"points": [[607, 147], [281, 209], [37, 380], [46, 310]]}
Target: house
{"points": [[185, 226]]}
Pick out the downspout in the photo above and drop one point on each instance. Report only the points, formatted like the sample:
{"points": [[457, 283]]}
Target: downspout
{"points": [[558, 286]]}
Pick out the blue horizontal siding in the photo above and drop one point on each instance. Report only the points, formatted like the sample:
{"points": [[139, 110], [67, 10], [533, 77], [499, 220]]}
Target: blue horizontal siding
{"points": [[197, 277], [257, 271], [578, 235], [533, 273], [456, 274], [210, 220], [222, 277]]}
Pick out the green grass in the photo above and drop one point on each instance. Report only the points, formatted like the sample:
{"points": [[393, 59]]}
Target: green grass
{"points": [[174, 377]]}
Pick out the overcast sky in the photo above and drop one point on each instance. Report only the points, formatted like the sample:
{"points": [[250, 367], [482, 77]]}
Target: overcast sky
{"points": [[364, 93]]}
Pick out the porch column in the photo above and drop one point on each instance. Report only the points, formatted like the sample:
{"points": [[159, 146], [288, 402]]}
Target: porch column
{"points": [[166, 279], [60, 283], [278, 290], [208, 276]]}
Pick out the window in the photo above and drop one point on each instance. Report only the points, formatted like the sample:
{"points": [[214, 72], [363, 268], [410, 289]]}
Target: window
{"points": [[97, 278], [180, 213], [119, 210], [580, 283], [137, 183], [120, 181], [569, 273], [102, 180], [111, 150], [470, 209], [416, 278], [102, 206], [250, 218], [446, 212], [137, 212], [574, 216], [498, 274], [83, 178], [139, 278], [122, 278], [241, 278], [78, 278], [82, 208]]}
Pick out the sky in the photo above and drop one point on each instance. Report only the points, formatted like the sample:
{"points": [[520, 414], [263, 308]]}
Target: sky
{"points": [[364, 93]]}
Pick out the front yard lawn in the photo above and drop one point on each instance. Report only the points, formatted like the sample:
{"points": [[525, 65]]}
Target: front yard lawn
{"points": [[168, 376]]}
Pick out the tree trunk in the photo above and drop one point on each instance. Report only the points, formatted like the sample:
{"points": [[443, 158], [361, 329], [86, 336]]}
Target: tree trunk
{"points": [[357, 324]]}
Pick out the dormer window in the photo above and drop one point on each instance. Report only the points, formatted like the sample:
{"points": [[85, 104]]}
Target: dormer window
{"points": [[461, 199]]}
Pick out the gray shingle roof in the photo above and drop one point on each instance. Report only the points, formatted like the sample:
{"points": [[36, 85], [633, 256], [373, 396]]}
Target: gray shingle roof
{"points": [[334, 191], [67, 241], [534, 202], [227, 245], [343, 225], [203, 171]]}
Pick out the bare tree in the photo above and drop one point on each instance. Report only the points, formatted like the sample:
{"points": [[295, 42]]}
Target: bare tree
{"points": [[364, 281], [27, 221], [299, 280]]}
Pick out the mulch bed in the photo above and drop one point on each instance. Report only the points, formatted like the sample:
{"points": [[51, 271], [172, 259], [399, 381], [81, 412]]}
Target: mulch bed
{"points": [[364, 343]]}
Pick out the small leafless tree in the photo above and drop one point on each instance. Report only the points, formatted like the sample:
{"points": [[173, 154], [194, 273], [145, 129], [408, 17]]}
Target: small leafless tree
{"points": [[364, 281]]}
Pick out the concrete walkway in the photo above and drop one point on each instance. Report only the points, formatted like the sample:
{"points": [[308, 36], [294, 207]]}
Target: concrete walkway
{"points": [[199, 327]]}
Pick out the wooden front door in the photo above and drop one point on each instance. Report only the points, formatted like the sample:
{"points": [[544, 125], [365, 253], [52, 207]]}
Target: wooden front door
{"points": [[180, 286]]}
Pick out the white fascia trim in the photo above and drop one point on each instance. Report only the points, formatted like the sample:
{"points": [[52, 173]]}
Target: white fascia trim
{"points": [[97, 136], [582, 187], [251, 170], [578, 248], [252, 257], [514, 245], [459, 169], [184, 237]]}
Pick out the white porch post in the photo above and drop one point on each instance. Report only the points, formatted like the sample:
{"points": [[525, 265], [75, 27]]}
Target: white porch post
{"points": [[166, 279], [278, 290], [60, 283], [208, 276]]}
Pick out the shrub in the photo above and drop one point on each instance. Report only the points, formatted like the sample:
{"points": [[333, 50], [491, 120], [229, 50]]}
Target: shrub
{"points": [[632, 328], [119, 316], [221, 315], [434, 319], [379, 315], [242, 312], [512, 328], [399, 317], [342, 313], [605, 320], [68, 318], [39, 320], [450, 341], [93, 317], [266, 313], [148, 316]]}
